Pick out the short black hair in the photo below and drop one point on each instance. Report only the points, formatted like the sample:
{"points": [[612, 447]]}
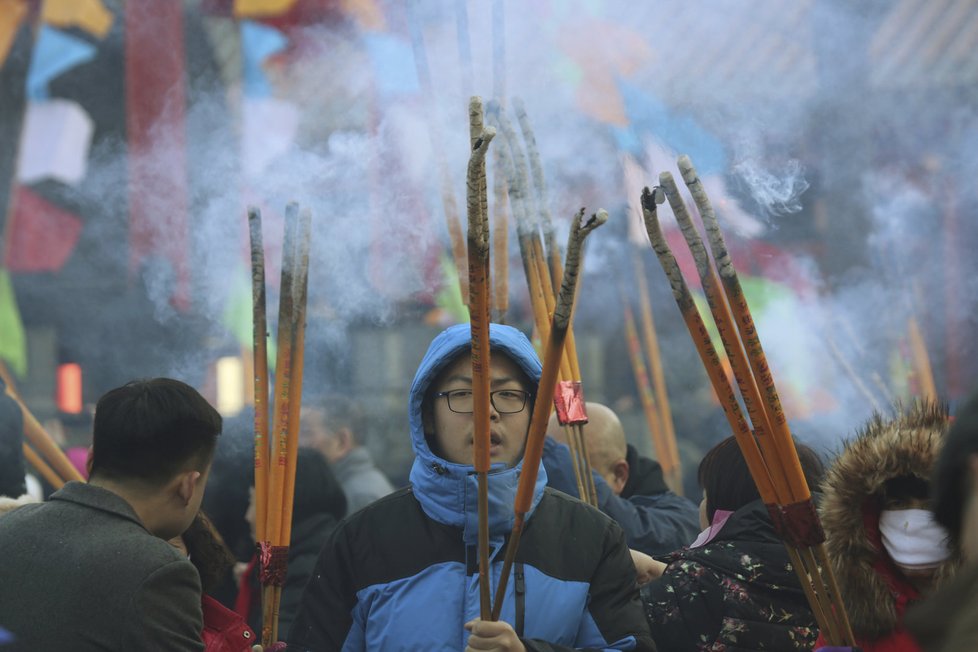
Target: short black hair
{"points": [[152, 429], [724, 476], [12, 469], [317, 490], [950, 477]]}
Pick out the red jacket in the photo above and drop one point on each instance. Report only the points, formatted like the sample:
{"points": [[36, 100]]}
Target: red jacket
{"points": [[224, 630], [902, 592]]}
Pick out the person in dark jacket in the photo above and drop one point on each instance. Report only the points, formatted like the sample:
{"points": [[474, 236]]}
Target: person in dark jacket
{"points": [[91, 569], [318, 505], [881, 539], [630, 488], [401, 574], [733, 588], [336, 427], [947, 621], [12, 469]]}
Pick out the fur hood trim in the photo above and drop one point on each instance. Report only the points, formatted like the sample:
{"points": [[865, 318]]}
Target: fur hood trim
{"points": [[907, 444], [8, 504]]}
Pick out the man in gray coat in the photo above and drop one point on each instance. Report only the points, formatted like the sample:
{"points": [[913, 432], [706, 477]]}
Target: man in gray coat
{"points": [[336, 428], [91, 569]]}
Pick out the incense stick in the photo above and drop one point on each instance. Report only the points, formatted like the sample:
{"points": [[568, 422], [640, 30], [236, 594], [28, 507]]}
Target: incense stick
{"points": [[478, 243], [260, 355], [297, 334], [772, 450], [275, 554], [42, 467], [542, 297], [545, 393], [500, 225], [540, 188], [37, 436], [673, 468], [748, 333], [652, 417]]}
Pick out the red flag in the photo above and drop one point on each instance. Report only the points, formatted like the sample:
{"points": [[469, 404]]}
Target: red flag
{"points": [[156, 99], [40, 236]]}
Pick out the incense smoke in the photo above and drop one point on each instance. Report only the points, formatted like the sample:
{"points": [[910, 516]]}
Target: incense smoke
{"points": [[774, 194], [823, 183]]}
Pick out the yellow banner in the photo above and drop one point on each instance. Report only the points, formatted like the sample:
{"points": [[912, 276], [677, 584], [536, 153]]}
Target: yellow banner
{"points": [[12, 12], [89, 15], [259, 8]]}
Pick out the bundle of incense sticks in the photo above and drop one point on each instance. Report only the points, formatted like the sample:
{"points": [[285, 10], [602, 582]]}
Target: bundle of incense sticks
{"points": [[766, 443], [653, 418], [479, 290], [553, 353], [276, 451], [40, 450], [651, 380], [543, 274]]}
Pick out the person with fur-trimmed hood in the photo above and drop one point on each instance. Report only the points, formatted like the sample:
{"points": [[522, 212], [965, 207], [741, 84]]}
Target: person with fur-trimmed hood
{"points": [[402, 573], [885, 547], [947, 621]]}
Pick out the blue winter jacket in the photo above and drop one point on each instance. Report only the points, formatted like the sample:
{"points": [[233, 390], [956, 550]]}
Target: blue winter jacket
{"points": [[402, 574], [655, 520]]}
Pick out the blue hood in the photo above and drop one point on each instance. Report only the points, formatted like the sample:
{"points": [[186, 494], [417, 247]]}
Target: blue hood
{"points": [[448, 491]]}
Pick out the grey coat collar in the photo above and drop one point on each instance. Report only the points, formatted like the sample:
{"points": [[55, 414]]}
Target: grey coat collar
{"points": [[95, 497]]}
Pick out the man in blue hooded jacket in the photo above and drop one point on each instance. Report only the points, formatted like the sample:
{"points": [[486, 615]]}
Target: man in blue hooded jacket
{"points": [[402, 574]]}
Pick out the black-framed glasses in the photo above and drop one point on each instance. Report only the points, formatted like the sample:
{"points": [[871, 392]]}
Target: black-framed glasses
{"points": [[506, 401]]}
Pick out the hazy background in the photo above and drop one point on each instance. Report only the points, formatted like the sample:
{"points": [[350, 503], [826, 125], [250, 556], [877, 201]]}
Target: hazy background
{"points": [[836, 139]]}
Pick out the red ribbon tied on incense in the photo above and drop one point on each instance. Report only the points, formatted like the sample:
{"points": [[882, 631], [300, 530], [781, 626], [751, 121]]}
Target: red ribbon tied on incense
{"points": [[569, 403], [273, 562]]}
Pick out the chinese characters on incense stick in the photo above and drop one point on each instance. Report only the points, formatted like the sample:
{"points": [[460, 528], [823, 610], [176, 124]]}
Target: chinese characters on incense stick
{"points": [[766, 443], [276, 448]]}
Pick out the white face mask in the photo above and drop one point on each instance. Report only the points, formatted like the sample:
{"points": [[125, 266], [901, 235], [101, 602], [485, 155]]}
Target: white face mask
{"points": [[913, 538]]}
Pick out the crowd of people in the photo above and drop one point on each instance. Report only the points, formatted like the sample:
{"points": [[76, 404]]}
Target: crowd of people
{"points": [[128, 560]]}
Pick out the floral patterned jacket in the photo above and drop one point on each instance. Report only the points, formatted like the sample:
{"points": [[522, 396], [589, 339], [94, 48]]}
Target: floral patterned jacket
{"points": [[738, 592]]}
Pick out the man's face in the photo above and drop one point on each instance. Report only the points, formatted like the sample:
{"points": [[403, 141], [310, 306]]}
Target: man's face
{"points": [[316, 434], [453, 432], [601, 456]]}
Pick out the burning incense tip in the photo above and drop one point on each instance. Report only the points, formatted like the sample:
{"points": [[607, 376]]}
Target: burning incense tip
{"points": [[488, 133], [651, 198], [686, 169], [596, 220]]}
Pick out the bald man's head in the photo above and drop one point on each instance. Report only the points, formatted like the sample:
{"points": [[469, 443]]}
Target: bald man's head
{"points": [[606, 445]]}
